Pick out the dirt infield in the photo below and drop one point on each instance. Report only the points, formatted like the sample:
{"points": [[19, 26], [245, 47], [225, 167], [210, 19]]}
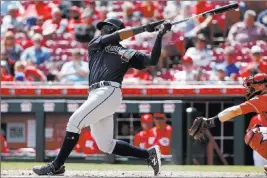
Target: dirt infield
{"points": [[79, 173]]}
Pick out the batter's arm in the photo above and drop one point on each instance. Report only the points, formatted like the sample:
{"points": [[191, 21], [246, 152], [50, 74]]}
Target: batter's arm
{"points": [[142, 60], [120, 35]]}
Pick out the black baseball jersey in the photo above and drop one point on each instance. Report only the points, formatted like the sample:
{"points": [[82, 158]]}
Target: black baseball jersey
{"points": [[109, 61]]}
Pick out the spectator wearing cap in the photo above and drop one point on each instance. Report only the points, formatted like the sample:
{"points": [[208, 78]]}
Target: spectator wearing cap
{"points": [[229, 66], [258, 65], [189, 71], [160, 134], [37, 54], [75, 70], [200, 54], [25, 72], [262, 17], [248, 30], [57, 23], [74, 19], [12, 49], [219, 74], [85, 31], [141, 138], [13, 19]]}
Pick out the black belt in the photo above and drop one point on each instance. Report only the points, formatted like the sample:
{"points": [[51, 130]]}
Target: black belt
{"points": [[99, 85]]}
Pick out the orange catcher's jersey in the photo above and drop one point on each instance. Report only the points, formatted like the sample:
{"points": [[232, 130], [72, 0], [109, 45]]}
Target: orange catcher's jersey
{"points": [[86, 144], [257, 104], [141, 139], [162, 138]]}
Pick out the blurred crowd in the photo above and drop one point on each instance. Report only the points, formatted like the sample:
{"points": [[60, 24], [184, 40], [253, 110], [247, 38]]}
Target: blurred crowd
{"points": [[47, 40]]}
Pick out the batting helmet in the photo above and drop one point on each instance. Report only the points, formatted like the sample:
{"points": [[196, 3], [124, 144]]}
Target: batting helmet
{"points": [[118, 24]]}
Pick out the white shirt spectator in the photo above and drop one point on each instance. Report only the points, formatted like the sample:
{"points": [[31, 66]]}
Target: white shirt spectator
{"points": [[200, 57], [69, 72], [185, 75]]}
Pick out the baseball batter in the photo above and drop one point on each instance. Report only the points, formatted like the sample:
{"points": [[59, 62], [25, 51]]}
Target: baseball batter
{"points": [[256, 95], [108, 63]]}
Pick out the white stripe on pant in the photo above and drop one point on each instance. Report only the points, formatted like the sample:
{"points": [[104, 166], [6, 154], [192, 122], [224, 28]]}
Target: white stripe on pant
{"points": [[97, 112]]}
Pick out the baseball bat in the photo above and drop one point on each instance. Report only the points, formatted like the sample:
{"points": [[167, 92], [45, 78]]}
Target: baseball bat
{"points": [[210, 12]]}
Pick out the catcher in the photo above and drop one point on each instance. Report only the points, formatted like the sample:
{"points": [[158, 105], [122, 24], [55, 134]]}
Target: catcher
{"points": [[256, 96]]}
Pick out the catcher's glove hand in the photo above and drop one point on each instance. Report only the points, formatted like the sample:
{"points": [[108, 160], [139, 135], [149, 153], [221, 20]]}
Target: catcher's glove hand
{"points": [[199, 126]]}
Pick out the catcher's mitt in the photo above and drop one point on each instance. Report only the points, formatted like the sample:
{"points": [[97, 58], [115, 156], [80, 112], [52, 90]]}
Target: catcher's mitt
{"points": [[199, 126]]}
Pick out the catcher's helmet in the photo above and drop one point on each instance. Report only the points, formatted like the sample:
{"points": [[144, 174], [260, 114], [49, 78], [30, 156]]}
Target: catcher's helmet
{"points": [[118, 24], [260, 78]]}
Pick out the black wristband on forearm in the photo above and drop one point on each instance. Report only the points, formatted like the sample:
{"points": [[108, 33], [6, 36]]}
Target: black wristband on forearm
{"points": [[137, 30]]}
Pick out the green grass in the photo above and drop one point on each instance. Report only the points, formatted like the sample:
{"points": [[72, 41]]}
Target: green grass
{"points": [[105, 167]]}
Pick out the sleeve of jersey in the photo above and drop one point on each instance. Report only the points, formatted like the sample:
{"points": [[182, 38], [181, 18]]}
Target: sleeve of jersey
{"points": [[103, 40], [248, 106]]}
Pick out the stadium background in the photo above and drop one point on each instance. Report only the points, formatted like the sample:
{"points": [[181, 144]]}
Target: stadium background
{"points": [[23, 84]]}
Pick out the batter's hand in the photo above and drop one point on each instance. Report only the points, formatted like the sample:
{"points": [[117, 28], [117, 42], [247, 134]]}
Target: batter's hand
{"points": [[166, 27], [151, 27]]}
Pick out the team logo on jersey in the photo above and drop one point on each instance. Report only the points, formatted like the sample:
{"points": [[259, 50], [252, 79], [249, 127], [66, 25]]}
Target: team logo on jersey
{"points": [[164, 141], [126, 54]]}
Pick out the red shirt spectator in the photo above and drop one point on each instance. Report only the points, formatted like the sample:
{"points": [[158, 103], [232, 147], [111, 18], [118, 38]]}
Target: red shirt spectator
{"points": [[57, 24], [26, 43], [141, 138], [200, 7], [86, 144], [24, 72], [161, 134], [166, 75], [148, 8], [5, 76], [4, 147], [39, 8], [257, 65], [139, 74]]}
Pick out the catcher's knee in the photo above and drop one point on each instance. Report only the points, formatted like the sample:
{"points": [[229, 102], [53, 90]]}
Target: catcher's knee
{"points": [[74, 125], [106, 145]]}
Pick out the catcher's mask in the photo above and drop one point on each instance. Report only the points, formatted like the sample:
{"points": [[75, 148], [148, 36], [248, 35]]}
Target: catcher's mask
{"points": [[251, 81], [110, 25]]}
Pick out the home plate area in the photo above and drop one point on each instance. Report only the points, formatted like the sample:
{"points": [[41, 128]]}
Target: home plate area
{"points": [[76, 173]]}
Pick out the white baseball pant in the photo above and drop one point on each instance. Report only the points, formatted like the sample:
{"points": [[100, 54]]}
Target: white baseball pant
{"points": [[258, 159], [97, 112]]}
